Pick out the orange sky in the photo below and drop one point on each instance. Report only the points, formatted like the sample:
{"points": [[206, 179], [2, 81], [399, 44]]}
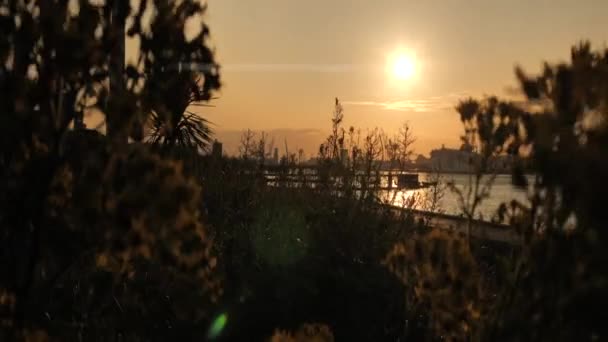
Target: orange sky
{"points": [[284, 61]]}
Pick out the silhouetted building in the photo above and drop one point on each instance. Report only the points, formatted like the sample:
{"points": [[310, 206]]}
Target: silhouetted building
{"points": [[452, 160], [422, 162], [216, 149], [463, 160], [275, 156]]}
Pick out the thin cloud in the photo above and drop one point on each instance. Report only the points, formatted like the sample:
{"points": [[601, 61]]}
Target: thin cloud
{"points": [[278, 67], [425, 105], [321, 68]]}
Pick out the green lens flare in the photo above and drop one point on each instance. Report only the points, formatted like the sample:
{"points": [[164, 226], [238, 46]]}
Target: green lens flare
{"points": [[217, 326]]}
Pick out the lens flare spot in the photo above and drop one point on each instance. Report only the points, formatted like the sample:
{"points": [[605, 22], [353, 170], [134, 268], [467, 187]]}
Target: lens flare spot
{"points": [[218, 325]]}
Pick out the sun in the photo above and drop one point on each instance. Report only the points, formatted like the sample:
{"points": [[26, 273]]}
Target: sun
{"points": [[403, 67]]}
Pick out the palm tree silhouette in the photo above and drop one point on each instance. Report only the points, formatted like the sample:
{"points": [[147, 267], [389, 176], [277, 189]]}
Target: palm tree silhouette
{"points": [[173, 125]]}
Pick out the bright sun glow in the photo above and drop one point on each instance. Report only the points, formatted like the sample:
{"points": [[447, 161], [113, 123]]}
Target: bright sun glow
{"points": [[403, 67]]}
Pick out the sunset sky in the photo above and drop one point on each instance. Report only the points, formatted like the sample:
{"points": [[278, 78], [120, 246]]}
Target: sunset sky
{"points": [[284, 61]]}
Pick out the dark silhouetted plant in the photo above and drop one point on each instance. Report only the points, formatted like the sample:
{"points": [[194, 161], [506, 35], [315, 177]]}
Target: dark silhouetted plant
{"points": [[179, 126], [76, 215], [551, 285]]}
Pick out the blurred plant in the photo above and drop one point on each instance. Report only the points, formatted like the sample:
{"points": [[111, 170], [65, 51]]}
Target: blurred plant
{"points": [[558, 279], [306, 333], [434, 193], [550, 287], [68, 195], [441, 279], [488, 127]]}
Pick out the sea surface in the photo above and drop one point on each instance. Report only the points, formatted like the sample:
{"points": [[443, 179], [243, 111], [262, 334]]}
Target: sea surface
{"points": [[501, 191]]}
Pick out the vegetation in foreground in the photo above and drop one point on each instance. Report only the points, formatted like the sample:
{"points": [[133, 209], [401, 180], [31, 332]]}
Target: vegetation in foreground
{"points": [[113, 241]]}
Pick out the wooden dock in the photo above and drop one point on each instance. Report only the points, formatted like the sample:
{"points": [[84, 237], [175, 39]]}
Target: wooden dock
{"points": [[381, 181]]}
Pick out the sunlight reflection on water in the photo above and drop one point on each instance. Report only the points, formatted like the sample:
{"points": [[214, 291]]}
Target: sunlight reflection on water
{"points": [[502, 191]]}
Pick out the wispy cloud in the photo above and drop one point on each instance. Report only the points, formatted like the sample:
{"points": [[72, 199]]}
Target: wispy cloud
{"points": [[321, 68], [423, 105], [279, 67]]}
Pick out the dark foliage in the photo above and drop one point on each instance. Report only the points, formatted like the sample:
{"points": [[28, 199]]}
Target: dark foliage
{"points": [[79, 231], [561, 278], [550, 287], [101, 239]]}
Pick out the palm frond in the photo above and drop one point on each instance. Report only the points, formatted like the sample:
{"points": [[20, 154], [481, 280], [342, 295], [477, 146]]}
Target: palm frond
{"points": [[190, 130], [171, 124]]}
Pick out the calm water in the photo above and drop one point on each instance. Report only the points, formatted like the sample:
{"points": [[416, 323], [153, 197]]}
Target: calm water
{"points": [[502, 191]]}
